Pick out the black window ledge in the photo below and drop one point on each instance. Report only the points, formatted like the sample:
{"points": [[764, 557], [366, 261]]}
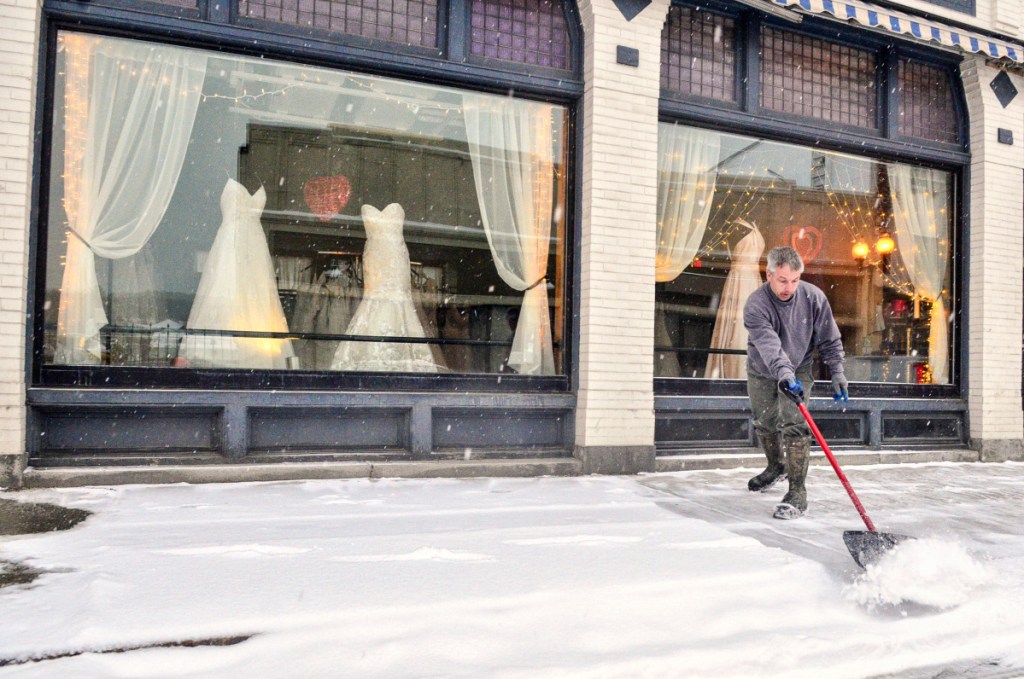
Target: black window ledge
{"points": [[287, 380], [665, 386]]}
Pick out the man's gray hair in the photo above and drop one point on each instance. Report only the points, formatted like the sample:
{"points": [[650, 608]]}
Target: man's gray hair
{"points": [[785, 255]]}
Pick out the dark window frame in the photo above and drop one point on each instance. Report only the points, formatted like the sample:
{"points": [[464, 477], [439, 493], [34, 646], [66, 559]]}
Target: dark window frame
{"points": [[885, 144], [959, 110], [756, 47], [740, 28], [446, 66], [461, 11], [337, 37], [748, 112], [215, 26]]}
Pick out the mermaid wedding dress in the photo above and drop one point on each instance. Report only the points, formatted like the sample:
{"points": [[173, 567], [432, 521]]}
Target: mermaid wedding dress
{"points": [[387, 308], [238, 292]]}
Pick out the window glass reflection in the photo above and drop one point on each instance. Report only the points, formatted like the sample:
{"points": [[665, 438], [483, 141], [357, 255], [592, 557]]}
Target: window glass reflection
{"points": [[874, 236], [211, 211]]}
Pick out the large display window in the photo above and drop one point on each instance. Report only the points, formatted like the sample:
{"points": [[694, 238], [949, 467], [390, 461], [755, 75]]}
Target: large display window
{"points": [[226, 212], [875, 236]]}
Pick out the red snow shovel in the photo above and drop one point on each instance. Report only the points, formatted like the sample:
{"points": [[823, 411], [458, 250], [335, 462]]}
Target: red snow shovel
{"points": [[866, 546]]}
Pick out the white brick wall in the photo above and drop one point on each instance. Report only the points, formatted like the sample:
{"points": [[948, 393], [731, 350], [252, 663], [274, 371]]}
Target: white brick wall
{"points": [[619, 176], [19, 37], [993, 322]]}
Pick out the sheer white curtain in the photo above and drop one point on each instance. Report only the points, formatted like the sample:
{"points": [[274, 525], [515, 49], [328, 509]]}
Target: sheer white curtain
{"points": [[129, 111], [920, 199], [511, 145], [686, 185]]}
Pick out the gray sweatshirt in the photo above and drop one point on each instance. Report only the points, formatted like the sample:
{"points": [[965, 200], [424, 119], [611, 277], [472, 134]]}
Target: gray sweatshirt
{"points": [[783, 335]]}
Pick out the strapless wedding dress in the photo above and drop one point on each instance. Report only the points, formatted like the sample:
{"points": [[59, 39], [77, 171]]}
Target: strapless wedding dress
{"points": [[238, 291], [729, 333], [387, 308]]}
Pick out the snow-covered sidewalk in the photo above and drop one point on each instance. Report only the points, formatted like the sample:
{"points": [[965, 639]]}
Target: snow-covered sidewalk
{"points": [[662, 575]]}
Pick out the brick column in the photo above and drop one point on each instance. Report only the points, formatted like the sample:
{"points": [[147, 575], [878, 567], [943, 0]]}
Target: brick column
{"points": [[996, 255], [615, 412], [19, 38]]}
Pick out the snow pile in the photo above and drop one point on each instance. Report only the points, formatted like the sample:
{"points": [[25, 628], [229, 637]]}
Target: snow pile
{"points": [[929, 571]]}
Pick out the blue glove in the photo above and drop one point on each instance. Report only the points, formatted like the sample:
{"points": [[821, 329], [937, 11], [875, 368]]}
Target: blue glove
{"points": [[792, 386], [839, 388]]}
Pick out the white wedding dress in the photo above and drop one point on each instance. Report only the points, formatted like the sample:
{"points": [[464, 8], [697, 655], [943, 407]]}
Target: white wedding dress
{"points": [[387, 308], [729, 333], [238, 291]]}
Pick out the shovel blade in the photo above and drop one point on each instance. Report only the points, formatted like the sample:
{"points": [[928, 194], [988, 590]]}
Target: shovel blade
{"points": [[867, 547]]}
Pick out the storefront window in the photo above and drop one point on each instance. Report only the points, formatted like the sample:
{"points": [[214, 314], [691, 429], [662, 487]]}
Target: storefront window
{"points": [[875, 237], [213, 211]]}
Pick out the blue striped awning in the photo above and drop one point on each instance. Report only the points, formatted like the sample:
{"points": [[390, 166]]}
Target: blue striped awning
{"points": [[873, 16]]}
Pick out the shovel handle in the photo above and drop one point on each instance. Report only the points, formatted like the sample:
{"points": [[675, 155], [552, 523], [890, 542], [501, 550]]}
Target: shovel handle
{"points": [[835, 466]]}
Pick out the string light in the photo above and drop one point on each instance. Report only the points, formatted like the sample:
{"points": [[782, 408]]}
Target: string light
{"points": [[752, 199], [77, 55], [246, 97], [895, 275], [77, 52], [862, 214]]}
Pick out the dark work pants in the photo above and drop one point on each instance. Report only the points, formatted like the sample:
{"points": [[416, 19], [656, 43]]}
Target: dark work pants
{"points": [[773, 412]]}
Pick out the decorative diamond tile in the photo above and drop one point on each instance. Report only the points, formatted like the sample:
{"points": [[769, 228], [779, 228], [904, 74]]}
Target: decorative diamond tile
{"points": [[1002, 86], [630, 8]]}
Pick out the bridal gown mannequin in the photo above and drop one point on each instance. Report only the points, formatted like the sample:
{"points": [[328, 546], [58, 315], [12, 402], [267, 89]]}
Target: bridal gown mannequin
{"points": [[387, 308], [238, 291], [729, 333]]}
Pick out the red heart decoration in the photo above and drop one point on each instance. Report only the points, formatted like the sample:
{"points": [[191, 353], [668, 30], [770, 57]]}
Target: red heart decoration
{"points": [[327, 196], [806, 240]]}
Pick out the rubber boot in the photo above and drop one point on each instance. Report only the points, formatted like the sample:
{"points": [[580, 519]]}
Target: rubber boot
{"points": [[771, 444], [798, 453]]}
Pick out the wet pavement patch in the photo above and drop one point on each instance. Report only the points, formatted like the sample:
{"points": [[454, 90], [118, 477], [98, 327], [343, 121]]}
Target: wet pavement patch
{"points": [[963, 669], [14, 573], [180, 643], [21, 518]]}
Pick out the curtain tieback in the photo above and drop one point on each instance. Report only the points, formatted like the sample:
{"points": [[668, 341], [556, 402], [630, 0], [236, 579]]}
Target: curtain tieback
{"points": [[538, 282], [79, 237]]}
